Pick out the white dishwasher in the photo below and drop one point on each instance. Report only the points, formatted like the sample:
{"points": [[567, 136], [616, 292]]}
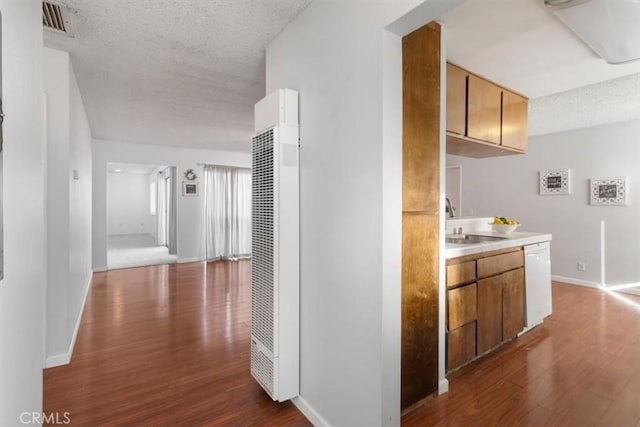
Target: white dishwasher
{"points": [[537, 283]]}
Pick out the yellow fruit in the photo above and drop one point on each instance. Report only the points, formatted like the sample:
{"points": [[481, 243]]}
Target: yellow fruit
{"points": [[500, 220]]}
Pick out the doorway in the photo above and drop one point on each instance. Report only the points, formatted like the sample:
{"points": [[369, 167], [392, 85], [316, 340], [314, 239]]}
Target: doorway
{"points": [[141, 215]]}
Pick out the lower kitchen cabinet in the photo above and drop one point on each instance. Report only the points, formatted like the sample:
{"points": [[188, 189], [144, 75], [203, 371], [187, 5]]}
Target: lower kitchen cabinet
{"points": [[461, 324], [461, 306], [500, 308], [512, 303], [489, 313], [485, 309], [461, 345]]}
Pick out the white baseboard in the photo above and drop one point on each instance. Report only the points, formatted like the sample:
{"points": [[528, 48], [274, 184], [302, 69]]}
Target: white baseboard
{"points": [[100, 269], [57, 360], [65, 358], [308, 411], [184, 260], [87, 286], [443, 386], [629, 291], [573, 281]]}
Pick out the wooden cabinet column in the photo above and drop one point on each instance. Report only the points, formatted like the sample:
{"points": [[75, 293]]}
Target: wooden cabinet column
{"points": [[420, 213]]}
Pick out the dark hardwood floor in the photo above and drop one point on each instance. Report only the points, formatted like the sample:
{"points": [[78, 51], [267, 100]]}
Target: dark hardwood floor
{"points": [[169, 345], [165, 346], [580, 368]]}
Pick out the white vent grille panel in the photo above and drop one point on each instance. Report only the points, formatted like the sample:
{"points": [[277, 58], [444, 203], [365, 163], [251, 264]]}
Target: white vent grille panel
{"points": [[262, 279], [262, 367]]}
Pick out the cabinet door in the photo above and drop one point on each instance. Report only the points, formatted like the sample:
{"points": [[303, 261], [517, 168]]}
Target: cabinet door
{"points": [[512, 303], [514, 121], [462, 306], [484, 110], [461, 345], [490, 266], [456, 99], [461, 273], [489, 313]]}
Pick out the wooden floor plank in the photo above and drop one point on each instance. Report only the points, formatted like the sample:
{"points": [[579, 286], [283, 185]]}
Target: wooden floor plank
{"points": [[165, 346]]}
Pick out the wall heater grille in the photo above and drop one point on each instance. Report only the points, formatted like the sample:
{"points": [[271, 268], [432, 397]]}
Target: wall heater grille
{"points": [[262, 239], [275, 282]]}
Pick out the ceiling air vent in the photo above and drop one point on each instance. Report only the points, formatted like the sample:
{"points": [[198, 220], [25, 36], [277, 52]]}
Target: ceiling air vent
{"points": [[56, 18]]}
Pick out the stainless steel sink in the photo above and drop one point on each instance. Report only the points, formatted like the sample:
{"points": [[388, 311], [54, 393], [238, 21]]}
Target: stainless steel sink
{"points": [[470, 239]]}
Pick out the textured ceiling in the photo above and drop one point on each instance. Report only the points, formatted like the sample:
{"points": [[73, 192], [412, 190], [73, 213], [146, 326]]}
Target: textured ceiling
{"points": [[173, 72], [522, 45], [612, 101], [188, 72]]}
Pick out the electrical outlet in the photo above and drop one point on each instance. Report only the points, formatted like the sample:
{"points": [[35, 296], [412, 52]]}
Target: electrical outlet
{"points": [[582, 266]]}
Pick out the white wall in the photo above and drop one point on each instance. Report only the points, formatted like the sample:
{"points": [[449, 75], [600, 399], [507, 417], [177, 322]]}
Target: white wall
{"points": [[79, 209], [68, 205], [56, 78], [509, 186], [22, 292], [190, 209], [348, 72], [128, 198]]}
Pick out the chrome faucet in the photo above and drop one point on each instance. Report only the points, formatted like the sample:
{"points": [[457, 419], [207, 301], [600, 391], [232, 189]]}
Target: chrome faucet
{"points": [[450, 209]]}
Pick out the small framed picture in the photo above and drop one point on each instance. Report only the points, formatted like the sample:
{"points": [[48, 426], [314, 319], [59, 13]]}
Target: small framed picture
{"points": [[189, 188], [555, 182], [608, 191]]}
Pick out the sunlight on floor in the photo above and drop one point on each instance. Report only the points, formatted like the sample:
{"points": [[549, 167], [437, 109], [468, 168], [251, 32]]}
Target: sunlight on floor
{"points": [[135, 250], [613, 291]]}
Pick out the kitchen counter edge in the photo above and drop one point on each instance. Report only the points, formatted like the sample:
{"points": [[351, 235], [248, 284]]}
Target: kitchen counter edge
{"points": [[515, 239]]}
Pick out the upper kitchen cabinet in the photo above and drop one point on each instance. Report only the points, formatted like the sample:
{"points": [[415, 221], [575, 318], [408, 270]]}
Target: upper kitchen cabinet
{"points": [[514, 120], [483, 118], [456, 100], [483, 110]]}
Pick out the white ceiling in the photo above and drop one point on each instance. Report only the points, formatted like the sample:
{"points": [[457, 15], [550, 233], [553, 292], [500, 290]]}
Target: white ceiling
{"points": [[187, 73], [172, 72]]}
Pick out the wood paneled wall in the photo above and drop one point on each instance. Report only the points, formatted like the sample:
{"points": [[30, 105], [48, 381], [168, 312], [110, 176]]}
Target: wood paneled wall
{"points": [[420, 212]]}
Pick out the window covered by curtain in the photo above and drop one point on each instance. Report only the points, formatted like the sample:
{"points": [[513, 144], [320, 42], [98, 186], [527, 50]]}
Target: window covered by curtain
{"points": [[227, 216]]}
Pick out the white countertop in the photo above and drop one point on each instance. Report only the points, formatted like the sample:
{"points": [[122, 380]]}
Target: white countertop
{"points": [[517, 238]]}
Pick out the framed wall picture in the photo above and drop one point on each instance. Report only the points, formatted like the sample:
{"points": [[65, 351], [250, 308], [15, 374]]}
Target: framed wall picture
{"points": [[608, 191], [189, 188], [555, 182]]}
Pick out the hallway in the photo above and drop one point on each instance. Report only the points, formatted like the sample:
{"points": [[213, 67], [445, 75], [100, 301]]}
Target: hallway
{"points": [[165, 345]]}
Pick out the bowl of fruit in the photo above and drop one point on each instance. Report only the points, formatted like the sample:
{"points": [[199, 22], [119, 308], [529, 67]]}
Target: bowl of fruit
{"points": [[502, 225]]}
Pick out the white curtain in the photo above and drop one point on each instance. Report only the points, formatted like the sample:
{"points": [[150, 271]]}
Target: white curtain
{"points": [[167, 209], [227, 205], [161, 209]]}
